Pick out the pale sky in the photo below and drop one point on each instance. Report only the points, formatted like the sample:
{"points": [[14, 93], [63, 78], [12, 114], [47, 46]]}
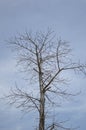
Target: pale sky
{"points": [[68, 19]]}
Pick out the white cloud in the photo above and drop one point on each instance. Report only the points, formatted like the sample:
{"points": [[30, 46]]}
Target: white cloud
{"points": [[73, 107], [7, 66]]}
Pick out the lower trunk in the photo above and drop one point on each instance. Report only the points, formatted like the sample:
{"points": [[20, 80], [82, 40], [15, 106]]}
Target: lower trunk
{"points": [[42, 122], [42, 113]]}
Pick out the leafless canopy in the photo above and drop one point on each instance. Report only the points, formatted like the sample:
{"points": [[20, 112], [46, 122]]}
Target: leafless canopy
{"points": [[45, 59]]}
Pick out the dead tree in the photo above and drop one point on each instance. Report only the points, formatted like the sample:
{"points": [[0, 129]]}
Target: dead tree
{"points": [[45, 59]]}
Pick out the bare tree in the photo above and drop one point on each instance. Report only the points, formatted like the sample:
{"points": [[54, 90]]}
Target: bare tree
{"points": [[45, 60]]}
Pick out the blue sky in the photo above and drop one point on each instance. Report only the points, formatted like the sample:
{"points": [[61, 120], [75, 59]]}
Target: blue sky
{"points": [[68, 19]]}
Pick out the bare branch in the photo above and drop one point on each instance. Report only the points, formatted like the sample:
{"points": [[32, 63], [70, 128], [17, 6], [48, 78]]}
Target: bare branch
{"points": [[53, 78], [22, 99], [45, 59], [55, 126]]}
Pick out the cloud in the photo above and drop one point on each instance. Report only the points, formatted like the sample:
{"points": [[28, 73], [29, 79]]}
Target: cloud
{"points": [[7, 66], [13, 119]]}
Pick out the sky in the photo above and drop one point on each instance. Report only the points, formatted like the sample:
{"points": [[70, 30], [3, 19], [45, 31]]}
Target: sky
{"points": [[68, 19]]}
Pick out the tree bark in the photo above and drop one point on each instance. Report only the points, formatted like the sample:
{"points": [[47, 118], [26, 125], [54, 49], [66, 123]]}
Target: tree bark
{"points": [[42, 98], [42, 103], [42, 115]]}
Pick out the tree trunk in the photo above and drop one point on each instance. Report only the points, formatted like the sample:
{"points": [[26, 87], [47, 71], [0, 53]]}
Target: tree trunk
{"points": [[42, 115], [42, 104]]}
